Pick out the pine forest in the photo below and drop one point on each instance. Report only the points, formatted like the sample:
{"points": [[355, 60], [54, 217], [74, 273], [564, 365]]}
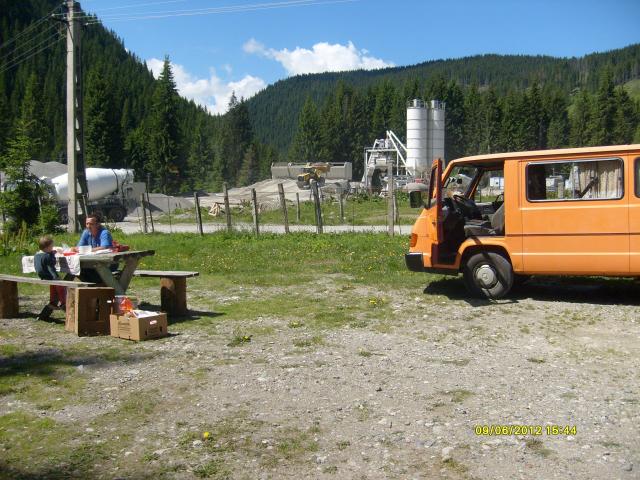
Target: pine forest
{"points": [[131, 120]]}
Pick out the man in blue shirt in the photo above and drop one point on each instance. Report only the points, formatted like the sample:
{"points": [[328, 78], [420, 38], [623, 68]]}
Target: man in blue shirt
{"points": [[95, 235], [98, 238]]}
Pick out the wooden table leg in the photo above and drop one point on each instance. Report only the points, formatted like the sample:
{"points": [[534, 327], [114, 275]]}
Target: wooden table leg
{"points": [[173, 296], [8, 299], [107, 277], [130, 265]]}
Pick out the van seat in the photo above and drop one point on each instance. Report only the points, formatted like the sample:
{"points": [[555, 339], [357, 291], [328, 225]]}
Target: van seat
{"points": [[497, 221], [477, 228]]}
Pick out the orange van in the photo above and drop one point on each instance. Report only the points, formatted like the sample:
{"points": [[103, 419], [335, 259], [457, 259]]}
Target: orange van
{"points": [[499, 218]]}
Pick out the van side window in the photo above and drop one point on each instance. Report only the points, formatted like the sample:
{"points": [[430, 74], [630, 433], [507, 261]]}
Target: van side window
{"points": [[589, 179], [490, 186]]}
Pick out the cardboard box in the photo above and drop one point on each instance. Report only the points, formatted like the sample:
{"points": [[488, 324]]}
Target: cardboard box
{"points": [[88, 310], [138, 328]]}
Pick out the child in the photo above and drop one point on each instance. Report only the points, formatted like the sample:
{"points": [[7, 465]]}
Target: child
{"points": [[45, 264]]}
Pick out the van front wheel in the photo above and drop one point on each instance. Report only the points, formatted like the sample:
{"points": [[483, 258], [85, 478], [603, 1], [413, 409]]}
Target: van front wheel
{"points": [[488, 275]]}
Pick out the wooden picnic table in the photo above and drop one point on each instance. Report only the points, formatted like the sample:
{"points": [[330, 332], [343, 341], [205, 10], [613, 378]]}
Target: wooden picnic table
{"points": [[101, 263]]}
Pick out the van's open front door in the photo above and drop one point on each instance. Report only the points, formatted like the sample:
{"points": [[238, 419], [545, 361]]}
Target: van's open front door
{"points": [[434, 210]]}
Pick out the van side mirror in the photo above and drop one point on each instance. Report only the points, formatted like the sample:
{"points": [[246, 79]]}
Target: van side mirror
{"points": [[415, 199]]}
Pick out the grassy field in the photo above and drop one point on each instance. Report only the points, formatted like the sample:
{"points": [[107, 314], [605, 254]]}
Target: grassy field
{"points": [[357, 211], [237, 261], [271, 259]]}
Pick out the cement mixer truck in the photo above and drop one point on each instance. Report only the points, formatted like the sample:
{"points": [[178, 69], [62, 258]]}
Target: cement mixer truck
{"points": [[111, 193]]}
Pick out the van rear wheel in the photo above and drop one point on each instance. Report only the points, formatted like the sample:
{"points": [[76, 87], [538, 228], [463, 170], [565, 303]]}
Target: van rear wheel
{"points": [[488, 275]]}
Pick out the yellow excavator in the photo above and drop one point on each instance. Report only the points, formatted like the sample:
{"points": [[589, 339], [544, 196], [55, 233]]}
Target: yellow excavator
{"points": [[312, 171]]}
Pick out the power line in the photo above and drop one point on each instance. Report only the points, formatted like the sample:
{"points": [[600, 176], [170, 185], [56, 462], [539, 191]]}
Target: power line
{"points": [[209, 11], [34, 50], [196, 11], [142, 5], [35, 38], [31, 26]]}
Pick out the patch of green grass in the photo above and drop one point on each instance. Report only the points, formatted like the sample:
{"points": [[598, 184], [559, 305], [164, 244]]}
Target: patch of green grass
{"points": [[139, 404], [537, 447], [568, 395], [364, 353], [383, 327], [363, 412], [459, 395], [309, 341], [343, 444], [9, 350], [609, 444], [536, 360], [47, 379], [239, 339], [454, 466], [293, 443], [215, 468], [458, 362], [51, 448]]}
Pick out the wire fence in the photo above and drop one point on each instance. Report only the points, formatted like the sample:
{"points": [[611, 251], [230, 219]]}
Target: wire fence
{"points": [[317, 209]]}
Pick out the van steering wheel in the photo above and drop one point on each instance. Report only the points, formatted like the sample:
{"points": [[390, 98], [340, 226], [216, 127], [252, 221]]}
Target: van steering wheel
{"points": [[466, 207]]}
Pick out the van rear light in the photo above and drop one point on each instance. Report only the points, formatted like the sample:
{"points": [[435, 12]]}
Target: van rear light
{"points": [[414, 240]]}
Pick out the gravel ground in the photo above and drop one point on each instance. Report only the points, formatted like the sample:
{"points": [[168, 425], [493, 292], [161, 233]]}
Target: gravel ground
{"points": [[397, 395]]}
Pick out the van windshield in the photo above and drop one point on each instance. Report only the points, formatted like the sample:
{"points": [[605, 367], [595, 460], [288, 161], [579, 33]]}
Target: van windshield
{"points": [[459, 180]]}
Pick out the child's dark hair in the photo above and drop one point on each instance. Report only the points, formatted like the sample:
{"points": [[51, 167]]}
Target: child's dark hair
{"points": [[45, 242]]}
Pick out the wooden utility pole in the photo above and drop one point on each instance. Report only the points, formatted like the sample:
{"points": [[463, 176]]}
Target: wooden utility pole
{"points": [[75, 142]]}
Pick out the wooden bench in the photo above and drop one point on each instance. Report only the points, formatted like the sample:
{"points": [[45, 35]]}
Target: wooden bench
{"points": [[9, 291], [88, 307], [173, 289]]}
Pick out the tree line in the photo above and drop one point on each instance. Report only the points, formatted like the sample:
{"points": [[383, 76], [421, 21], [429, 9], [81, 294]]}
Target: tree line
{"points": [[131, 120], [478, 120]]}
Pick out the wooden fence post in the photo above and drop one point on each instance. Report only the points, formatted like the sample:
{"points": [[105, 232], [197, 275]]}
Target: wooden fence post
{"points": [[297, 207], [196, 201], [316, 201], [144, 214], [341, 200], [254, 202], [153, 229], [283, 205], [227, 210]]}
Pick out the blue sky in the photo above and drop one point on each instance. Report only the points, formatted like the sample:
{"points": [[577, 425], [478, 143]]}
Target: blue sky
{"points": [[245, 48]]}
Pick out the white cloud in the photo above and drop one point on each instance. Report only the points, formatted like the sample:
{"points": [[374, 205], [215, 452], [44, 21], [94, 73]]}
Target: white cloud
{"points": [[323, 57], [212, 93]]}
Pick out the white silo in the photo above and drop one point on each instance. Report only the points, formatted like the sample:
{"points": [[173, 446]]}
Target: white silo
{"points": [[417, 117], [435, 129]]}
